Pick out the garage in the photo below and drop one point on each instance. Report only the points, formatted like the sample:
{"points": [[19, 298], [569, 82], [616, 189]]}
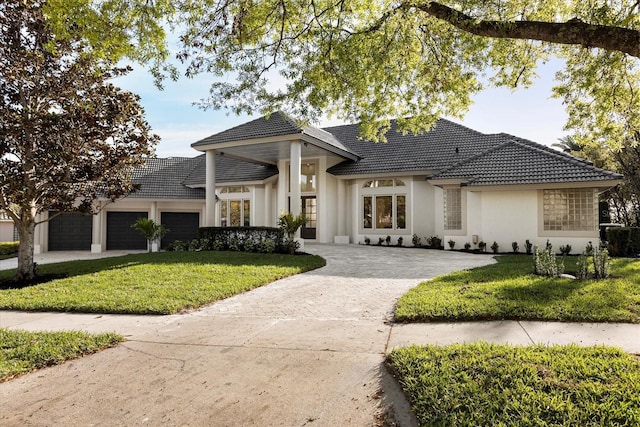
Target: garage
{"points": [[181, 225], [120, 235], [70, 232]]}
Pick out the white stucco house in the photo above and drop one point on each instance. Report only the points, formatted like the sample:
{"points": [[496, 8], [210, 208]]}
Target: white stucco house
{"points": [[452, 182]]}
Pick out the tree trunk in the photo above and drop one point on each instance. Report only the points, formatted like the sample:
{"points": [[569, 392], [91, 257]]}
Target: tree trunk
{"points": [[26, 266]]}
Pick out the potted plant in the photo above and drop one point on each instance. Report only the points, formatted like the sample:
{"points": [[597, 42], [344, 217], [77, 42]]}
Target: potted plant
{"points": [[152, 231]]}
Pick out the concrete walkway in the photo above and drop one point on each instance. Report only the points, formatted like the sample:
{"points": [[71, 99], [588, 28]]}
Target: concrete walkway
{"points": [[305, 350]]}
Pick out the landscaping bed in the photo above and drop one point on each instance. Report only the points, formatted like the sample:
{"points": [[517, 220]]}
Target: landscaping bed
{"points": [[22, 352], [151, 283], [509, 290], [484, 384]]}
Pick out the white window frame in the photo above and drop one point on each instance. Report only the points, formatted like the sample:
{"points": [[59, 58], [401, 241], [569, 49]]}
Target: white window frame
{"points": [[226, 196], [370, 188], [570, 208]]}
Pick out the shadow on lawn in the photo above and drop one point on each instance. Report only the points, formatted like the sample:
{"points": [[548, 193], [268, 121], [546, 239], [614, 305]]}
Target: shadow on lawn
{"points": [[49, 272]]}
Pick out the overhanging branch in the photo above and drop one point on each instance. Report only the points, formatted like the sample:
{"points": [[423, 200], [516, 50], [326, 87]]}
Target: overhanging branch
{"points": [[572, 32]]}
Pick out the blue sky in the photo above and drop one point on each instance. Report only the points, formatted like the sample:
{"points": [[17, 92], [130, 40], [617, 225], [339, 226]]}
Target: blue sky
{"points": [[528, 113]]}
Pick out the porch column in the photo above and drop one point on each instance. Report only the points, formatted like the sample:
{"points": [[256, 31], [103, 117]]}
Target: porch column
{"points": [[342, 207], [96, 230], [210, 189], [295, 163], [268, 194]]}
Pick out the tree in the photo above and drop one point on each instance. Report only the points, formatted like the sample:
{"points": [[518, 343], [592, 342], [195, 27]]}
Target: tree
{"points": [[67, 136], [567, 144], [151, 230], [290, 225]]}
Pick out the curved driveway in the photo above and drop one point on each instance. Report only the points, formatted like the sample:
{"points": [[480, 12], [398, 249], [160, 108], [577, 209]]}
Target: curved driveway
{"points": [[305, 350]]}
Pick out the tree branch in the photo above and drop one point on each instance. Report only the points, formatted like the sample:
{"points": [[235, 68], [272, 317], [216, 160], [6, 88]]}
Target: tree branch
{"points": [[573, 32]]}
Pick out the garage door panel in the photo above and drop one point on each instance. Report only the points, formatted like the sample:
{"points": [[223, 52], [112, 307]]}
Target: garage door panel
{"points": [[182, 226], [120, 235], [70, 232]]}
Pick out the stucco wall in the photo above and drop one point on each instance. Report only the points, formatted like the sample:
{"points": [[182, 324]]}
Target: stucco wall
{"points": [[6, 231]]}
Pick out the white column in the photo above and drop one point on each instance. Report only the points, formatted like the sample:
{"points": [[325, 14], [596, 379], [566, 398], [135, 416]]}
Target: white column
{"points": [[268, 194], [342, 211], [96, 230], [295, 163], [210, 188], [283, 190], [153, 215]]}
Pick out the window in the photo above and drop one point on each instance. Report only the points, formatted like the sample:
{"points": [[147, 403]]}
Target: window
{"points": [[573, 209], [234, 189], [368, 212], [382, 208], [384, 212], [235, 213], [379, 183], [308, 177], [452, 209]]}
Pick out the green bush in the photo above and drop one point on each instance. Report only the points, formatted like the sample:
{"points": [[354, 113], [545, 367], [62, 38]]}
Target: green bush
{"points": [[624, 241], [239, 239], [9, 248], [545, 264]]}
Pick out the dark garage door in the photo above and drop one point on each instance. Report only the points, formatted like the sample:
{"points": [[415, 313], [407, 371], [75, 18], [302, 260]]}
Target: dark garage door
{"points": [[70, 232], [182, 226], [120, 235]]}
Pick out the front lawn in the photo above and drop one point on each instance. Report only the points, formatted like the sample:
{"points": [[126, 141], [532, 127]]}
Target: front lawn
{"points": [[22, 351], [157, 283], [508, 290], [500, 385]]}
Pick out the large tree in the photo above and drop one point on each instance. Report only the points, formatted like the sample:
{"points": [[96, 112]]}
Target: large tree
{"points": [[67, 135], [371, 60]]}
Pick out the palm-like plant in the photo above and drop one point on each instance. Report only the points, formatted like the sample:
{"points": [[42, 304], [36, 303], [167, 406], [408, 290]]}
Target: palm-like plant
{"points": [[290, 225], [567, 144], [152, 230]]}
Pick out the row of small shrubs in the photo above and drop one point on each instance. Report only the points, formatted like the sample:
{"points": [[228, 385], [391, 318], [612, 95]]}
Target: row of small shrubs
{"points": [[624, 241], [241, 239], [9, 248], [545, 263]]}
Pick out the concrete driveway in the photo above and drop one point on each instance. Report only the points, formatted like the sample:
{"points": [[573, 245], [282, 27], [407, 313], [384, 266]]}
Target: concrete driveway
{"points": [[305, 350]]}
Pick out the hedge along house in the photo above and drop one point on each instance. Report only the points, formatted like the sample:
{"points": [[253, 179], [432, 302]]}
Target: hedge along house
{"points": [[452, 182]]}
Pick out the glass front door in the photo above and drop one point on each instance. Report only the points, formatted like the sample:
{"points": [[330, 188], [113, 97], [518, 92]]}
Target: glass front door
{"points": [[309, 210]]}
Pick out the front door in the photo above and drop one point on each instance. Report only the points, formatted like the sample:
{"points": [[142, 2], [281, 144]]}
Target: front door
{"points": [[310, 211]]}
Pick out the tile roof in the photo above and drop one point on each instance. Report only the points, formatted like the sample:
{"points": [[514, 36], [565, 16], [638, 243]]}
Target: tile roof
{"points": [[445, 144], [277, 124], [162, 179], [229, 169], [517, 161]]}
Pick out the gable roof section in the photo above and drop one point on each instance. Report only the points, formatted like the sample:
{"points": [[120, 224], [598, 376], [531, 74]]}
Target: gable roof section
{"points": [[278, 124], [162, 179], [445, 144], [517, 161], [229, 170]]}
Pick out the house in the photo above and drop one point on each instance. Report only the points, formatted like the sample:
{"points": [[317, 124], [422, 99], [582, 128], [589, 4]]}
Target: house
{"points": [[452, 181], [8, 232]]}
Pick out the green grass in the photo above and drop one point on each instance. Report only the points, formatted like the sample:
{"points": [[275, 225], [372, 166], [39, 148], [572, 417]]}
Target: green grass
{"points": [[22, 351], [500, 385], [508, 290], [8, 250], [156, 283]]}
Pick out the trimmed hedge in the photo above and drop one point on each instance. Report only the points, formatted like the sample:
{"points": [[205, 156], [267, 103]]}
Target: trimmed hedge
{"points": [[624, 241], [242, 239], [9, 248]]}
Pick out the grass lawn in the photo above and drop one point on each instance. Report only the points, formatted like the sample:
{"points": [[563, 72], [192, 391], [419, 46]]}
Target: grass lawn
{"points": [[500, 385], [508, 290], [22, 351], [156, 283]]}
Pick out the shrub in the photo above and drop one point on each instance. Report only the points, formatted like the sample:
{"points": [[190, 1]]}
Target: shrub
{"points": [[367, 241], [482, 245], [416, 240], [290, 224], [387, 240], [467, 246], [515, 247], [434, 242], [380, 241], [248, 239], [548, 246], [545, 264], [9, 248], [528, 247], [601, 263], [565, 250], [452, 244], [624, 241], [178, 246], [400, 240], [151, 230], [495, 247], [582, 267], [588, 250]]}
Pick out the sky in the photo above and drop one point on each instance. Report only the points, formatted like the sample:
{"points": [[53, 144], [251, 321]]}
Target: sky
{"points": [[528, 113]]}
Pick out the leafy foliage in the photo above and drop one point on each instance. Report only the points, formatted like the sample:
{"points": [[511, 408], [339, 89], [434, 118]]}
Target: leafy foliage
{"points": [[151, 230], [290, 224], [545, 263], [484, 384], [67, 135]]}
